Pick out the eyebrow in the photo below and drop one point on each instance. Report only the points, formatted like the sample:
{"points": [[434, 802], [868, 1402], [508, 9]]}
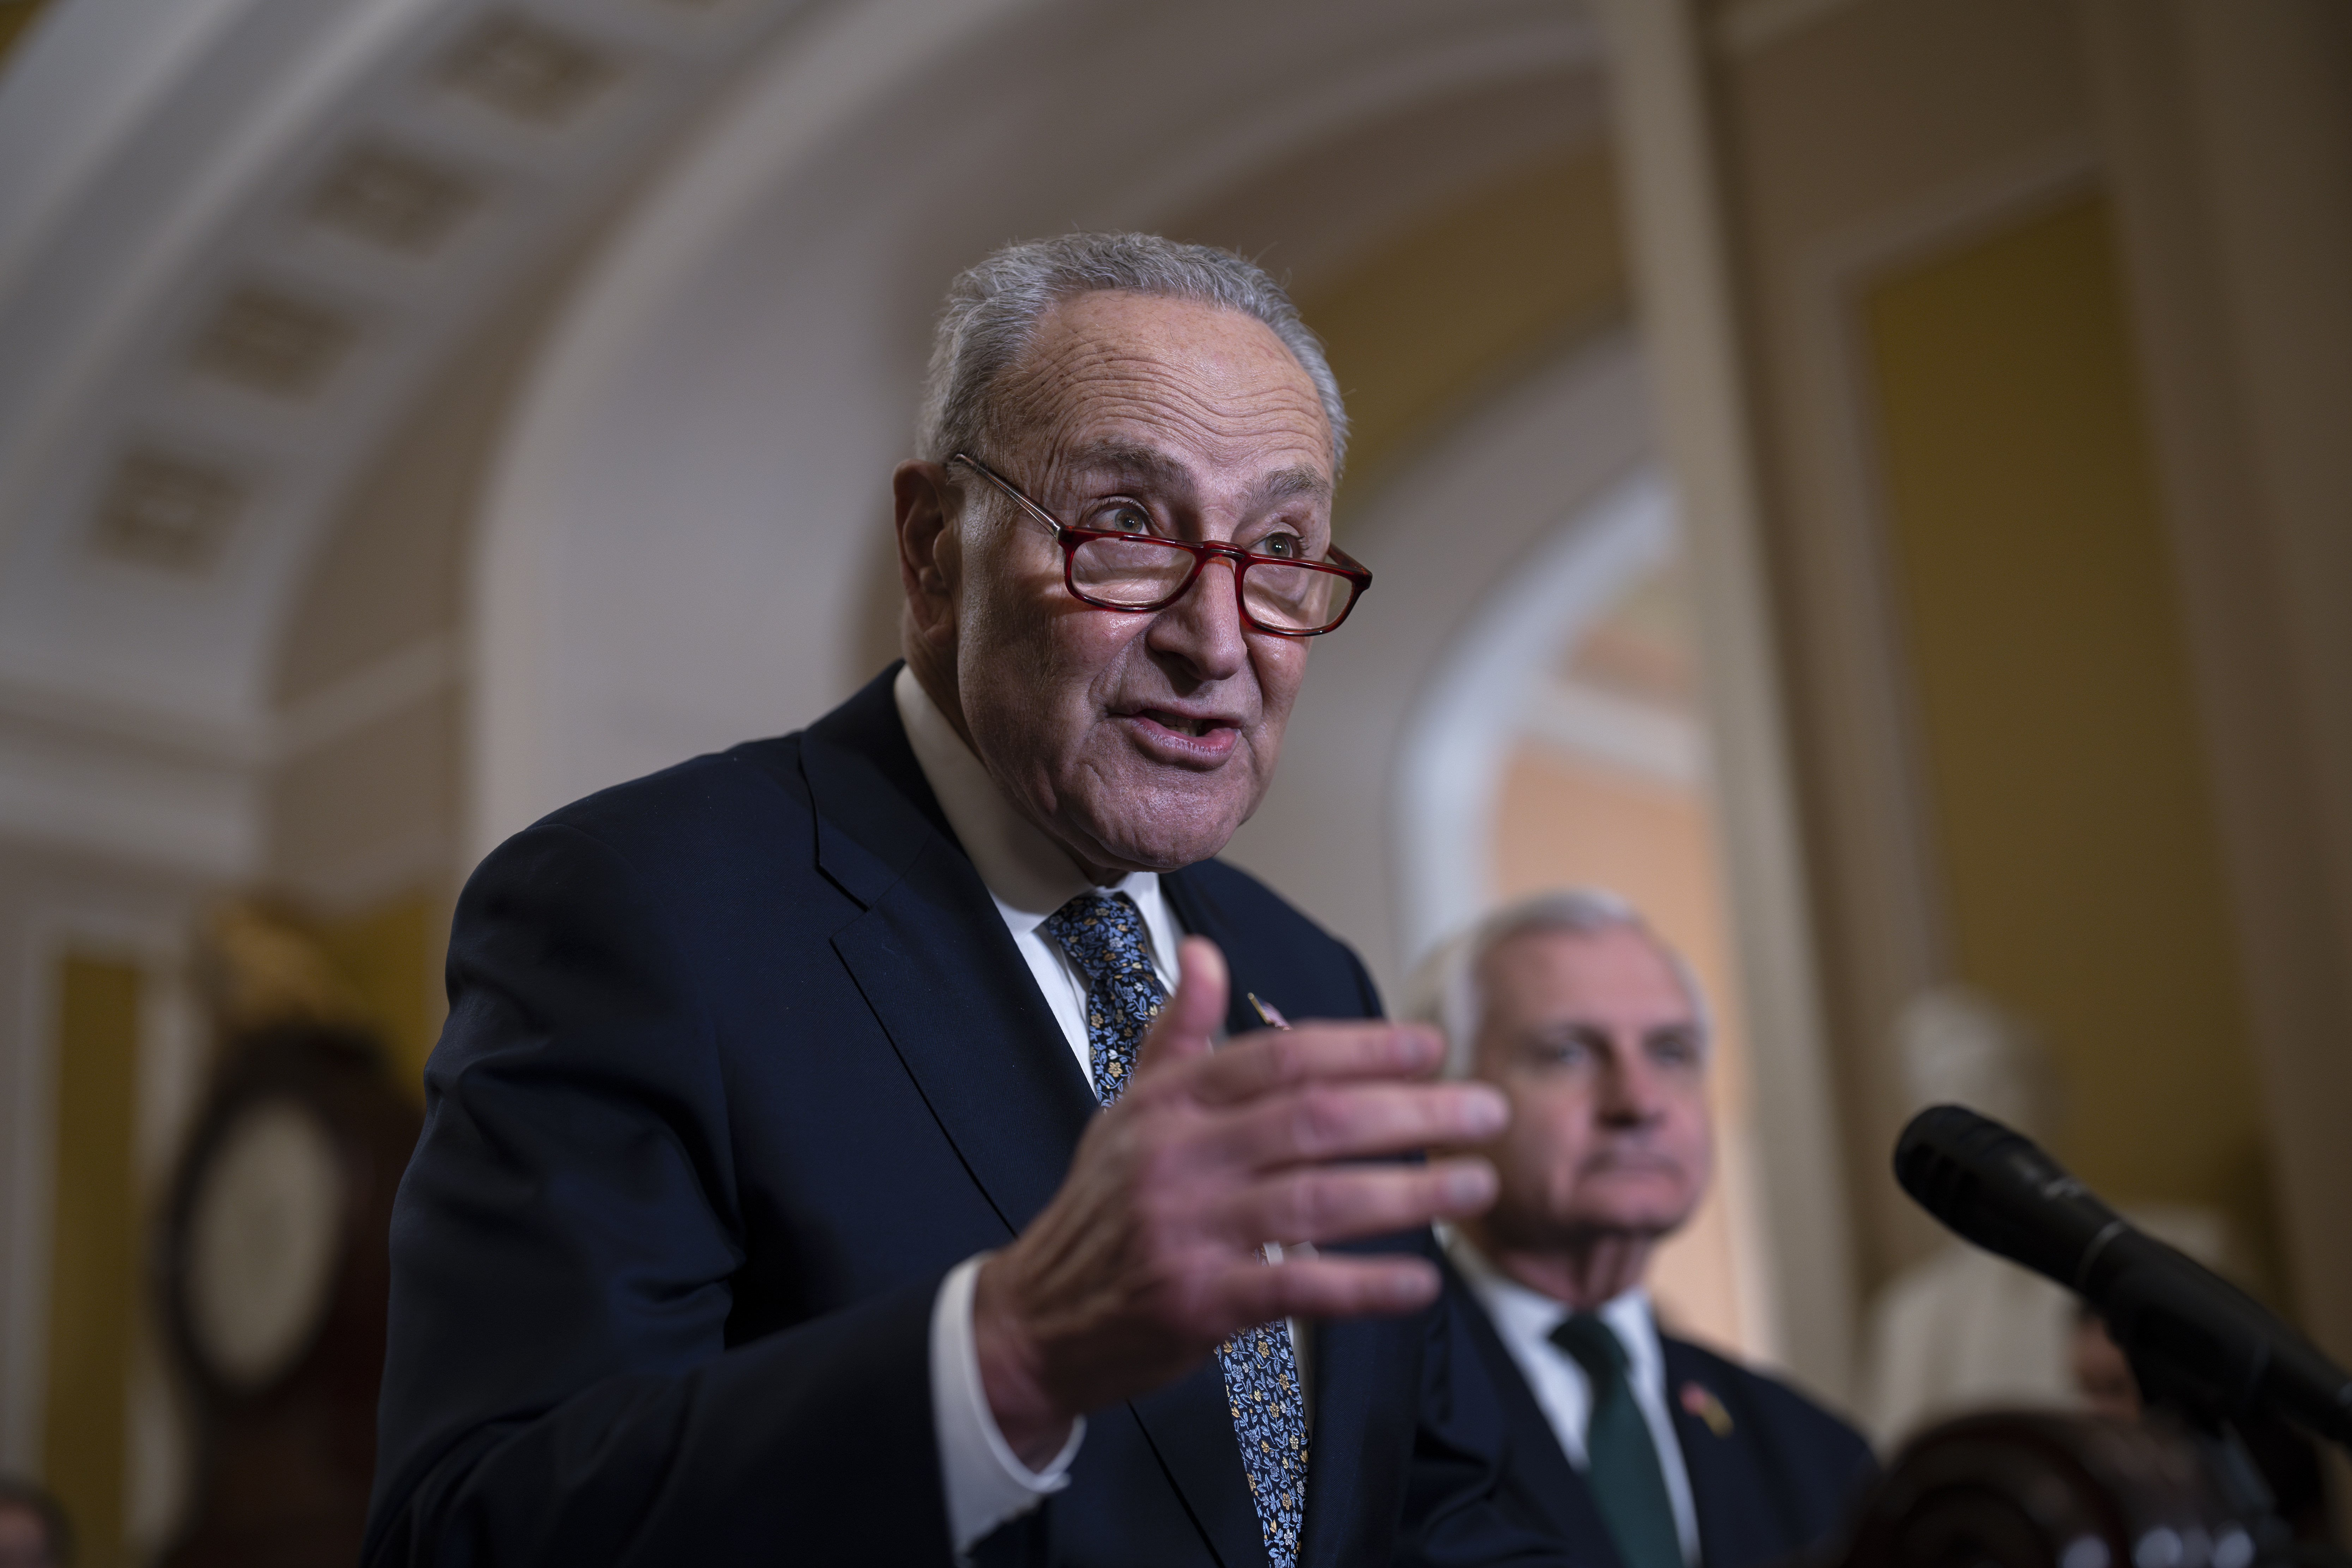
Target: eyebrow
{"points": [[1133, 461]]}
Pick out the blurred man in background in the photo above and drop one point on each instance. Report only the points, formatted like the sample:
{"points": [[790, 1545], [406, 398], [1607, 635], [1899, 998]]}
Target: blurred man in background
{"points": [[33, 1530], [1641, 1449]]}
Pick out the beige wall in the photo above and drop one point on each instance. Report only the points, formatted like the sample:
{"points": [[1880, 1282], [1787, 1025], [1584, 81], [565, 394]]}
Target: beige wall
{"points": [[2227, 131], [2035, 455], [2041, 316], [2075, 830]]}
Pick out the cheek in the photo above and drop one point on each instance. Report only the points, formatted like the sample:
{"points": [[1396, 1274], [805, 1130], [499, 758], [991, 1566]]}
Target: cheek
{"points": [[1698, 1142], [1281, 668], [1078, 672], [1030, 648], [1546, 1136]]}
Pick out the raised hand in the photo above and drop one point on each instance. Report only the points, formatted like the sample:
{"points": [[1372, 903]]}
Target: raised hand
{"points": [[1147, 1256]]}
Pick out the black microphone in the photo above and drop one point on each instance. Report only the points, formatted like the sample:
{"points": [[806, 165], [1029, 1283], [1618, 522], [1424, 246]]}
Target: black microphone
{"points": [[2191, 1337]]}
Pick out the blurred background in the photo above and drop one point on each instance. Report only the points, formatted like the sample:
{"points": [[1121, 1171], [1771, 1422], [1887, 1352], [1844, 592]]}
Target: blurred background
{"points": [[1866, 478]]}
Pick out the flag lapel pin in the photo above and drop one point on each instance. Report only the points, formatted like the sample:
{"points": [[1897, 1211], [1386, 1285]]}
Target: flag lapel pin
{"points": [[1700, 1401]]}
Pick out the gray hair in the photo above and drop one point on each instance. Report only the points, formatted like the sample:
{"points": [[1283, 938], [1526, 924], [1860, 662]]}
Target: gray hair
{"points": [[993, 308], [1445, 989]]}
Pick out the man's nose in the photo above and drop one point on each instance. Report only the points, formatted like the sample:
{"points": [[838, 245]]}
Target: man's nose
{"points": [[1630, 1093], [1204, 628]]}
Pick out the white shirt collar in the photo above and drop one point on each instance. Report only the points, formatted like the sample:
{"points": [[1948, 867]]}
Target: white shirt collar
{"points": [[1529, 1316], [1524, 1321], [1027, 873]]}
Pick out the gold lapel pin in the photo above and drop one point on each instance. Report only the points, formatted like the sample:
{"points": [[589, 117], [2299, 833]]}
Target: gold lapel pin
{"points": [[1701, 1401], [1269, 1012]]}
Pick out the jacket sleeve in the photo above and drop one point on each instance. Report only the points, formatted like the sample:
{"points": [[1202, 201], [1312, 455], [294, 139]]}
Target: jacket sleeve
{"points": [[560, 1382]]}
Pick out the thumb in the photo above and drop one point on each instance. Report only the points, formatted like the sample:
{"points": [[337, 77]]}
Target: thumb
{"points": [[1188, 1021]]}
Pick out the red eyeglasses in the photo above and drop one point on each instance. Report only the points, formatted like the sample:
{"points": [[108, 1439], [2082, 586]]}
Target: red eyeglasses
{"points": [[1143, 572]]}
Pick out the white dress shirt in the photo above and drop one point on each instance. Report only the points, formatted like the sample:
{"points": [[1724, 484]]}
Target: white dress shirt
{"points": [[1030, 877], [1523, 1319], [1027, 873]]}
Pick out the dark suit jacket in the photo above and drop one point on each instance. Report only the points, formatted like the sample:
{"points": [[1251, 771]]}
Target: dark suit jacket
{"points": [[740, 1060], [1775, 1480]]}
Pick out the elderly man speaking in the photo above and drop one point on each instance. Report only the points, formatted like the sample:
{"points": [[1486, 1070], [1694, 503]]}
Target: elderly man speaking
{"points": [[830, 1157]]}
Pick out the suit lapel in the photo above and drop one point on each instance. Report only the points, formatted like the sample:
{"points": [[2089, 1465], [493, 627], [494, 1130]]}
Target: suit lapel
{"points": [[1715, 1461], [933, 960], [1201, 915], [1535, 1454]]}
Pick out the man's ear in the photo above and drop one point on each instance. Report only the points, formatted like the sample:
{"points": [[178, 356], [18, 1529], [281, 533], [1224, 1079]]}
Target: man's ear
{"points": [[930, 553]]}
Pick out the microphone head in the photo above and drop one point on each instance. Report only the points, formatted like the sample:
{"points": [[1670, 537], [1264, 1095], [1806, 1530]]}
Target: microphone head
{"points": [[2190, 1335], [1995, 1188]]}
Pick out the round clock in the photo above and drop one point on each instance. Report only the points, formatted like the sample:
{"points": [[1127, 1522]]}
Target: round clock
{"points": [[266, 1229], [275, 1276]]}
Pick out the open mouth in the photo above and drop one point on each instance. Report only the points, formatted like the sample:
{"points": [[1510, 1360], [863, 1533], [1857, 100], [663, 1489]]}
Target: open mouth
{"points": [[1183, 723]]}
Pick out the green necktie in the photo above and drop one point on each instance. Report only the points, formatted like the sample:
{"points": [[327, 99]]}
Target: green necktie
{"points": [[1620, 1456]]}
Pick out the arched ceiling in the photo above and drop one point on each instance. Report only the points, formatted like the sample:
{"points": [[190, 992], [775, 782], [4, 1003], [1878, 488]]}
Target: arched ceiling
{"points": [[676, 550], [236, 239], [241, 239]]}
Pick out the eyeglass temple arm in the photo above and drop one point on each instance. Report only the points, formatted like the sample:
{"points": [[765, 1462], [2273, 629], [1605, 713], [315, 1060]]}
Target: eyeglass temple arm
{"points": [[1037, 513]]}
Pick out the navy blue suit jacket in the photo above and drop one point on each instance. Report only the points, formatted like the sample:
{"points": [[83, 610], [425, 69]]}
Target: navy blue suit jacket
{"points": [[740, 1060], [1770, 1478]]}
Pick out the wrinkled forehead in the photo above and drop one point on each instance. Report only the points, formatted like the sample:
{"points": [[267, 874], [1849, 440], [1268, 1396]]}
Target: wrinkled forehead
{"points": [[1158, 390], [1613, 972], [1134, 466]]}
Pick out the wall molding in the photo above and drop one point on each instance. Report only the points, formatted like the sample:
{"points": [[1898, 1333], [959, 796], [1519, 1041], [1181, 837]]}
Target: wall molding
{"points": [[381, 689], [1857, 609], [1693, 333], [1641, 739], [156, 787], [1468, 714], [171, 1047], [238, 247], [1879, 811]]}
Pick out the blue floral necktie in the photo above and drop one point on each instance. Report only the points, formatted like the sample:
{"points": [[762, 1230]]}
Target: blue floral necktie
{"points": [[1102, 935]]}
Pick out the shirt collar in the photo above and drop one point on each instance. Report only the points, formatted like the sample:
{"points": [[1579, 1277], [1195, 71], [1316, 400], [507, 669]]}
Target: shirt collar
{"points": [[1028, 874], [1529, 1316]]}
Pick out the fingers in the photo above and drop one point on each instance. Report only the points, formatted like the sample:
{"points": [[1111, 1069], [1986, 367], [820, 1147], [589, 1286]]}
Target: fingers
{"points": [[1326, 1204], [1258, 1064], [1322, 1120], [1187, 1025]]}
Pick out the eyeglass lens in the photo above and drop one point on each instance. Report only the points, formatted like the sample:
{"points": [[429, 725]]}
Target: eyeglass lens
{"points": [[1137, 572]]}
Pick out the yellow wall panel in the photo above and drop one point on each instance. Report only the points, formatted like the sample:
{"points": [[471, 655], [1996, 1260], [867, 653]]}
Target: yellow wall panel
{"points": [[2075, 836], [391, 955], [94, 1254]]}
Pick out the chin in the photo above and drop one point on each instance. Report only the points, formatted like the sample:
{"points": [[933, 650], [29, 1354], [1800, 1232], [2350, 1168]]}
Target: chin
{"points": [[1147, 846], [1656, 1220], [1162, 829], [1647, 1209]]}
